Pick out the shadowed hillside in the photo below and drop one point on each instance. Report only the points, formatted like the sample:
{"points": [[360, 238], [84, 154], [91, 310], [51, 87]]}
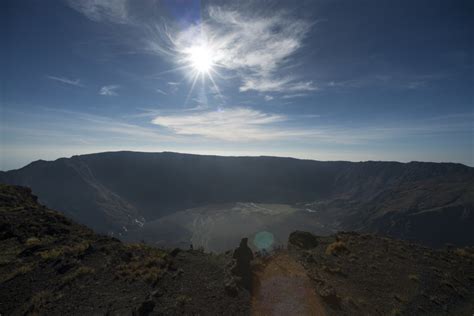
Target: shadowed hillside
{"points": [[50, 265], [362, 274], [119, 191]]}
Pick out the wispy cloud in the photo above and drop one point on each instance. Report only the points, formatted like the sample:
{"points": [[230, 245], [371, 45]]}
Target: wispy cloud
{"points": [[268, 98], [294, 95], [255, 47], [115, 11], [75, 82], [173, 86], [279, 85], [161, 92], [241, 124], [394, 80], [109, 90], [252, 45], [74, 126], [233, 124]]}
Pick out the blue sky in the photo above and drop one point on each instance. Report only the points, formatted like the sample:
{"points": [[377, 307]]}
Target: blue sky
{"points": [[326, 80]]}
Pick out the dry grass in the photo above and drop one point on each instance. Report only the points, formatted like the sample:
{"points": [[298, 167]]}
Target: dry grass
{"points": [[73, 250], [78, 273], [40, 298], [146, 264], [414, 277], [181, 300], [37, 303], [336, 248], [32, 241], [9, 250], [149, 269], [463, 253], [23, 269]]}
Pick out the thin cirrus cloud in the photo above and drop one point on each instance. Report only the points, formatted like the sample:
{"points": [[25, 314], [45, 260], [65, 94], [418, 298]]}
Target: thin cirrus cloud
{"points": [[232, 124], [253, 46], [244, 124], [64, 80], [115, 11], [110, 90]]}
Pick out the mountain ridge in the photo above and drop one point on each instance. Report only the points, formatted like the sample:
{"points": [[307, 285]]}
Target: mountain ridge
{"points": [[241, 156], [118, 191]]}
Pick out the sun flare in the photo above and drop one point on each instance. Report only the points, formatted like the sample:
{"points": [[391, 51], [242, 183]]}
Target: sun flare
{"points": [[201, 58]]}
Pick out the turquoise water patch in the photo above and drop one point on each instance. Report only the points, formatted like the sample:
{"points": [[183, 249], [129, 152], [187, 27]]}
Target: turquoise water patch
{"points": [[263, 240]]}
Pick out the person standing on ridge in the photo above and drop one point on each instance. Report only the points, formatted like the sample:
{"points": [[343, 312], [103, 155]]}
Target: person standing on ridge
{"points": [[243, 256]]}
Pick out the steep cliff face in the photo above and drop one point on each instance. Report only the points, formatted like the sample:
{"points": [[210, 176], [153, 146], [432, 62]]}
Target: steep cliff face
{"points": [[118, 191]]}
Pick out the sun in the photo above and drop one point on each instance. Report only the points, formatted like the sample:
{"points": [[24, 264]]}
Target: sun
{"points": [[200, 58]]}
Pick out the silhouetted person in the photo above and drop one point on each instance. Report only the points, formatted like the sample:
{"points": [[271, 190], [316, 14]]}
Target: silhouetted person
{"points": [[243, 257]]}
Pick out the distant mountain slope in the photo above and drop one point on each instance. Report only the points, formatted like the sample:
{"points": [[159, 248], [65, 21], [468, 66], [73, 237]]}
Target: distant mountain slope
{"points": [[117, 191], [50, 265]]}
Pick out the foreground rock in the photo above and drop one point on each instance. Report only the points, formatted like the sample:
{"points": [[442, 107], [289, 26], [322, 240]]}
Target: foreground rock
{"points": [[50, 265], [365, 275]]}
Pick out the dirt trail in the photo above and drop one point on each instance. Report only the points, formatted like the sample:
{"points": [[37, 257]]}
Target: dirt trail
{"points": [[283, 288]]}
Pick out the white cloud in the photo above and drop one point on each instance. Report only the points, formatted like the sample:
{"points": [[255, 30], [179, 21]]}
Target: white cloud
{"points": [[294, 95], [109, 90], [282, 85], [268, 98], [241, 124], [254, 47], [173, 87], [161, 92], [233, 124], [115, 11], [75, 82]]}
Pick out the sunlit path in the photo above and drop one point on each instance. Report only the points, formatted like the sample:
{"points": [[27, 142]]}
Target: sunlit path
{"points": [[283, 288]]}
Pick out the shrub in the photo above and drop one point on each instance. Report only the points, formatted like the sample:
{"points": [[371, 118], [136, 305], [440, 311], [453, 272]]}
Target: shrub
{"points": [[73, 250], [146, 264], [414, 277], [463, 253], [51, 254], [336, 247], [33, 241], [80, 272], [181, 300], [24, 269]]}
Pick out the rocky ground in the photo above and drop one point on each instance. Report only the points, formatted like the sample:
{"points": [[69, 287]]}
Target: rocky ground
{"points": [[52, 266], [358, 274], [282, 287]]}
